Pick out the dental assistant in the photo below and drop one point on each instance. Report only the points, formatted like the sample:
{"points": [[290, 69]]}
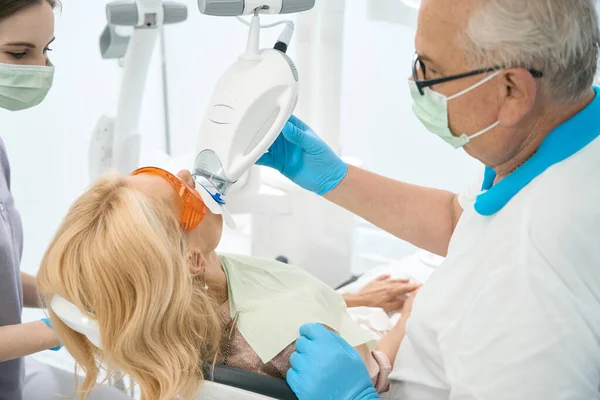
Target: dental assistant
{"points": [[26, 76], [514, 312]]}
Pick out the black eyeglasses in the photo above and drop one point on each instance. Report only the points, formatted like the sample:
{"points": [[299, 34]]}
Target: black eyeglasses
{"points": [[425, 83]]}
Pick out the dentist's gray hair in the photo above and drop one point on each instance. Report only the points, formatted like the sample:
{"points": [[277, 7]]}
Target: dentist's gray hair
{"points": [[560, 38]]}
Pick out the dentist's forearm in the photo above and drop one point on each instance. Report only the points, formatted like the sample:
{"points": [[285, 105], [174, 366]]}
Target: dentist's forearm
{"points": [[21, 340], [422, 216]]}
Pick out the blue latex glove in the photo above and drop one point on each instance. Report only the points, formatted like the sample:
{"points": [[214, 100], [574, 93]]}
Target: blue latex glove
{"points": [[300, 155], [326, 367], [47, 322]]}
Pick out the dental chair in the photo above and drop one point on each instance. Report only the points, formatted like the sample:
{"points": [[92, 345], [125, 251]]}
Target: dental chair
{"points": [[226, 383]]}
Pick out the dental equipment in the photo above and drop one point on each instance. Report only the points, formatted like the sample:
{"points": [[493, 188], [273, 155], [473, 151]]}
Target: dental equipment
{"points": [[116, 141], [251, 102], [72, 316], [285, 220], [233, 8]]}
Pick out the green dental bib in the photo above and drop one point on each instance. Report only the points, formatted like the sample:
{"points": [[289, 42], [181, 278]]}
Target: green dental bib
{"points": [[273, 300]]}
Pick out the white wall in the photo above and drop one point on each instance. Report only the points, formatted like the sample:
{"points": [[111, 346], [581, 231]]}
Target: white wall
{"points": [[378, 124], [48, 145]]}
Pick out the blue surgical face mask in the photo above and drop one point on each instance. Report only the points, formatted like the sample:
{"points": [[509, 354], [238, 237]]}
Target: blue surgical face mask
{"points": [[432, 110]]}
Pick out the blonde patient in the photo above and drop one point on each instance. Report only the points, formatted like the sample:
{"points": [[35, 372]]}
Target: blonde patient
{"points": [[137, 254]]}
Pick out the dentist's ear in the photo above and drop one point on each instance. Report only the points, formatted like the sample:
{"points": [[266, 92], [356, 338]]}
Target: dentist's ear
{"points": [[520, 89]]}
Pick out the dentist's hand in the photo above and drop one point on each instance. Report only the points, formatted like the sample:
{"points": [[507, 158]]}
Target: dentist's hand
{"points": [[325, 367], [301, 156]]}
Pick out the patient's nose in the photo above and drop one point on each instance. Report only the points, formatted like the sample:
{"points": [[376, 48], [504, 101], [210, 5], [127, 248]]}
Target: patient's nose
{"points": [[186, 176]]}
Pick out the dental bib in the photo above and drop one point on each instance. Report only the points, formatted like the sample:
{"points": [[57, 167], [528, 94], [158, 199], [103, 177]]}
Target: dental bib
{"points": [[272, 300]]}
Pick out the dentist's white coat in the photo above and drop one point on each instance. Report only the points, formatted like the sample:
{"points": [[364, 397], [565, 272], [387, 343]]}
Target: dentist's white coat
{"points": [[514, 312]]}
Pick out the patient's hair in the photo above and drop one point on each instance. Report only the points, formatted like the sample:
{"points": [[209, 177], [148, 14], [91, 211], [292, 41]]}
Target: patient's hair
{"points": [[120, 256]]}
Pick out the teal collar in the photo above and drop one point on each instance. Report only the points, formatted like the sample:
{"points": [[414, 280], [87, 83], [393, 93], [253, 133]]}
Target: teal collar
{"points": [[564, 141]]}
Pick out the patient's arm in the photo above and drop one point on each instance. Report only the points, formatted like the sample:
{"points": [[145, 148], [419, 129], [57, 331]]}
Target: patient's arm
{"points": [[379, 367], [390, 343], [384, 292]]}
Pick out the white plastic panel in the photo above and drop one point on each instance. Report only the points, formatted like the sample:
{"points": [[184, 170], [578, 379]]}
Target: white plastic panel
{"points": [[215, 391]]}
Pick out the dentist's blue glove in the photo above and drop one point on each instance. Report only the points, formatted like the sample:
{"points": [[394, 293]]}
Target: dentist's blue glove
{"points": [[325, 367], [301, 156]]}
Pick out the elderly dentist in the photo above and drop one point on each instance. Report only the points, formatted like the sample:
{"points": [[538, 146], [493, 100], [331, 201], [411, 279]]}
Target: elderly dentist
{"points": [[26, 76], [514, 312]]}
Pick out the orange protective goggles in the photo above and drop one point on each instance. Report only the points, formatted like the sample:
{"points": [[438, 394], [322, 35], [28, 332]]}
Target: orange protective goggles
{"points": [[194, 208]]}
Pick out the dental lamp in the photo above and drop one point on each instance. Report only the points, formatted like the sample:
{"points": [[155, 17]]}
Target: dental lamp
{"points": [[245, 7], [116, 141], [284, 220], [251, 102]]}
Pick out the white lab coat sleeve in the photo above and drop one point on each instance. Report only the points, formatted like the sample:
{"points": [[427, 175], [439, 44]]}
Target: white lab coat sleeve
{"points": [[533, 330]]}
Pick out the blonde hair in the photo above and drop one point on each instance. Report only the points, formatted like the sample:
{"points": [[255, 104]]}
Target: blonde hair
{"points": [[120, 256]]}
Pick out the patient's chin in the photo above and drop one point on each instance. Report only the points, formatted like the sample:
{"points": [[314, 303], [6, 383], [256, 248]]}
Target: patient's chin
{"points": [[207, 235]]}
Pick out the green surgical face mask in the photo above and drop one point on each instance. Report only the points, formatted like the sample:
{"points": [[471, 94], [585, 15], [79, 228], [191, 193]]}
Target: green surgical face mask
{"points": [[24, 86], [432, 110]]}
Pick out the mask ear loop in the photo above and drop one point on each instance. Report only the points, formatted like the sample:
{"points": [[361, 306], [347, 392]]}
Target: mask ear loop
{"points": [[482, 82], [484, 131]]}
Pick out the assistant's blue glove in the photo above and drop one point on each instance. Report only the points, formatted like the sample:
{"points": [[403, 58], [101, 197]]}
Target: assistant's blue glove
{"points": [[49, 324], [300, 155], [325, 367]]}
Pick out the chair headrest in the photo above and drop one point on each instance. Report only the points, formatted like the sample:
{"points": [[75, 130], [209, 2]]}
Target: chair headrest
{"points": [[249, 381]]}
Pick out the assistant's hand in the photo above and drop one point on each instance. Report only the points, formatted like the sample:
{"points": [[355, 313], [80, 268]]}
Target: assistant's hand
{"points": [[386, 293], [325, 367], [301, 156]]}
